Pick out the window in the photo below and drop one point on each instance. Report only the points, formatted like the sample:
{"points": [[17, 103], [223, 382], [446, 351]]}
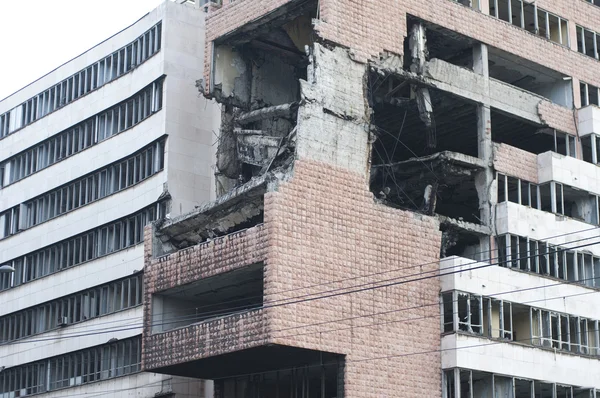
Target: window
{"points": [[77, 138], [75, 86], [551, 197], [79, 192], [71, 309], [528, 16], [589, 94], [83, 247], [500, 319], [80, 367], [542, 258], [587, 42]]}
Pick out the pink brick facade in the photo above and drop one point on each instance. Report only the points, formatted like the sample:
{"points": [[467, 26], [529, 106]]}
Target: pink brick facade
{"points": [[312, 243], [515, 162]]}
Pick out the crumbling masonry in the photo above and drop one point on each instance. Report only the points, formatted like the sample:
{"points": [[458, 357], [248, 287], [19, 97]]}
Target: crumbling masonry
{"points": [[360, 142]]}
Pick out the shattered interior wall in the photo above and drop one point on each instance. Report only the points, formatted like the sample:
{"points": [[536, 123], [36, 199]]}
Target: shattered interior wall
{"points": [[333, 123]]}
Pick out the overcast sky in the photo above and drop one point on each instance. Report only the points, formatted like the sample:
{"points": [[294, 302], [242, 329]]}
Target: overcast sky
{"points": [[40, 35]]}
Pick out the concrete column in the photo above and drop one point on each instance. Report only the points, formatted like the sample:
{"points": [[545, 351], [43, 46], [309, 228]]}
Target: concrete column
{"points": [[480, 59], [209, 385], [484, 181]]}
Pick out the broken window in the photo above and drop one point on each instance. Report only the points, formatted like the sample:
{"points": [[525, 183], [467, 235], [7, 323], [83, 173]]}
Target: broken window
{"points": [[499, 319], [448, 313], [469, 310], [591, 148], [70, 89], [449, 384], [531, 18]]}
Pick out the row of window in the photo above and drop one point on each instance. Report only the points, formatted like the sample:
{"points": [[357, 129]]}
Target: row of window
{"points": [[578, 266], [531, 18], [83, 135], [88, 304], [92, 364], [465, 383], [87, 246], [500, 319], [95, 186], [91, 78], [552, 197], [528, 16]]}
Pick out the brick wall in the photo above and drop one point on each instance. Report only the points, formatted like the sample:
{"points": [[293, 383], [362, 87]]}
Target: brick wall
{"points": [[323, 231], [324, 227], [185, 266], [557, 117], [515, 162]]}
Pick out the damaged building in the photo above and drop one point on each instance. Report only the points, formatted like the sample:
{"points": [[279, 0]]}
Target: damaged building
{"points": [[407, 205]]}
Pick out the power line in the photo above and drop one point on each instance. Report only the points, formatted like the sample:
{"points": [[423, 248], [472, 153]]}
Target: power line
{"points": [[382, 357], [412, 319], [359, 289], [386, 271]]}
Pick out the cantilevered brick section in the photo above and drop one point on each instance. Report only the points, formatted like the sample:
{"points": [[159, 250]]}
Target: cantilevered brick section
{"points": [[322, 233]]}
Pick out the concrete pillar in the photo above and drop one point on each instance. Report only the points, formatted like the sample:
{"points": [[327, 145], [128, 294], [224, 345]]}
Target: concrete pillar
{"points": [[209, 385], [480, 59], [484, 181], [418, 48]]}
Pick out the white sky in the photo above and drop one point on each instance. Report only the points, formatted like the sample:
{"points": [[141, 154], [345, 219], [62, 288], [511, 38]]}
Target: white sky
{"points": [[38, 36]]}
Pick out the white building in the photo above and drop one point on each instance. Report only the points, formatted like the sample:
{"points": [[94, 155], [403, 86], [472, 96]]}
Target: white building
{"points": [[89, 154]]}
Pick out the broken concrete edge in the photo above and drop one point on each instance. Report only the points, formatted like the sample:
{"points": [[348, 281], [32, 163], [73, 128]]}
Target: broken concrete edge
{"points": [[276, 111], [454, 157], [188, 229], [166, 227], [477, 229]]}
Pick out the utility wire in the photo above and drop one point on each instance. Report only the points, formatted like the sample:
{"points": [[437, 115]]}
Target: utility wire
{"points": [[541, 337], [383, 272], [412, 319], [359, 289], [229, 311]]}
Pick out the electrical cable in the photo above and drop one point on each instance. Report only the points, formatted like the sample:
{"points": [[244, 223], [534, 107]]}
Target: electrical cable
{"points": [[360, 289]]}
